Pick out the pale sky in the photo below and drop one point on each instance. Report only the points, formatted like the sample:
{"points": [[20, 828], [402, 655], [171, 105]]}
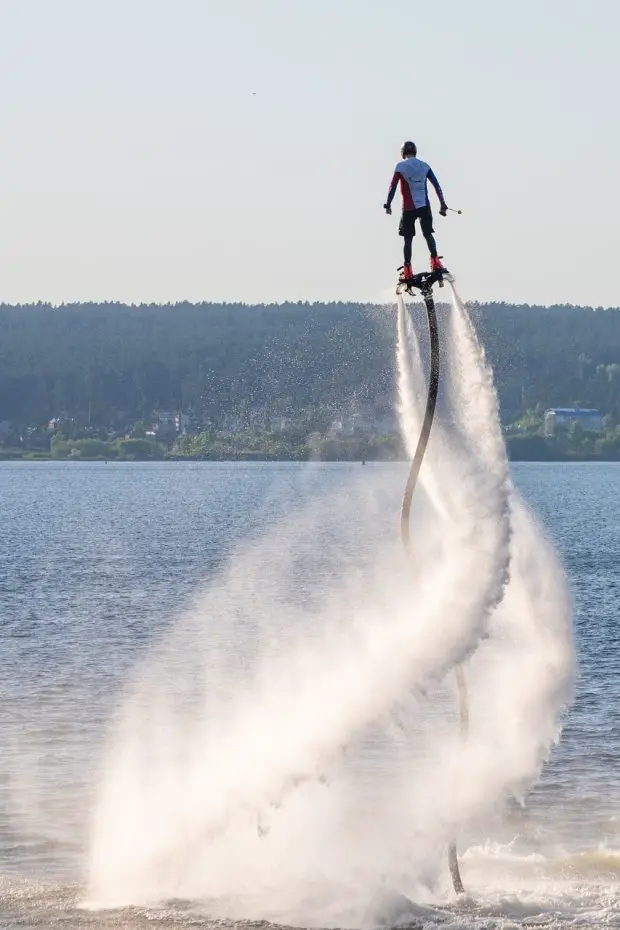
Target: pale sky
{"points": [[159, 150]]}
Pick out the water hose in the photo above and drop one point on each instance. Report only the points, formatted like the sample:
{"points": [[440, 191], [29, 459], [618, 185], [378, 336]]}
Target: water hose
{"points": [[425, 286]]}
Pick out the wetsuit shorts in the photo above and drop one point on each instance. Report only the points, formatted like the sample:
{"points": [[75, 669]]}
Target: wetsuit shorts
{"points": [[407, 222]]}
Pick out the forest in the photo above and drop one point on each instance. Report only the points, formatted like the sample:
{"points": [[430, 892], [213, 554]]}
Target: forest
{"points": [[235, 367]]}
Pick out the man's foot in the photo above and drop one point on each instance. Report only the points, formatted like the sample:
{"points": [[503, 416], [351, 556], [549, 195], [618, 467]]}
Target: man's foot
{"points": [[436, 263], [406, 273]]}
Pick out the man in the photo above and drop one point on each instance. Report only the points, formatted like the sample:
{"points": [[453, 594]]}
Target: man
{"points": [[413, 174]]}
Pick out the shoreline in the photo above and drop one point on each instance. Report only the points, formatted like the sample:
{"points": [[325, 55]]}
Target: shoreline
{"points": [[244, 458]]}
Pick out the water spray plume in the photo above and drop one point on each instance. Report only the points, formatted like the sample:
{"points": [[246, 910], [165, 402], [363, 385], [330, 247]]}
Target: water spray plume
{"points": [[289, 749], [405, 519]]}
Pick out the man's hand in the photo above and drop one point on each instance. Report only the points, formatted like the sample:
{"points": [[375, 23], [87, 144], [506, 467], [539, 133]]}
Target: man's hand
{"points": [[388, 209], [443, 210]]}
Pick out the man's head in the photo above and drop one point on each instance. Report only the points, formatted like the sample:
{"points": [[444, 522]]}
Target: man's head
{"points": [[408, 150]]}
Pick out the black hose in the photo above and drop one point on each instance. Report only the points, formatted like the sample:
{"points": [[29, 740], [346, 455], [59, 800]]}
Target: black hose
{"points": [[453, 860], [405, 522], [429, 413]]}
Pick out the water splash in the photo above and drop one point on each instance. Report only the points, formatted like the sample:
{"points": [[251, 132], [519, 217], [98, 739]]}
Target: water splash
{"points": [[255, 763]]}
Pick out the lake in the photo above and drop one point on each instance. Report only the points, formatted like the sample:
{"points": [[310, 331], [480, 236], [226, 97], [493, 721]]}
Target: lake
{"points": [[107, 572]]}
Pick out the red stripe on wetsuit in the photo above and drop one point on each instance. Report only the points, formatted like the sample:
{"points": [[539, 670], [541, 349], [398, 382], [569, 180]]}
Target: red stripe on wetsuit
{"points": [[405, 190]]}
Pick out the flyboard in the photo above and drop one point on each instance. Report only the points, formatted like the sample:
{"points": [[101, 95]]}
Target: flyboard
{"points": [[422, 284]]}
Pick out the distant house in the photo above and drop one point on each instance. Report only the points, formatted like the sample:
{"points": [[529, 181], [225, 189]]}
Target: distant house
{"points": [[165, 425], [336, 428], [183, 423], [563, 417]]}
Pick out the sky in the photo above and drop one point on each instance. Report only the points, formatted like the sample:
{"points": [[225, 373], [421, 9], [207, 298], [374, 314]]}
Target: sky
{"points": [[164, 150]]}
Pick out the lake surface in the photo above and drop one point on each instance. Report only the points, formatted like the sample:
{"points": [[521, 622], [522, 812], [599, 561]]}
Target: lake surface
{"points": [[99, 561]]}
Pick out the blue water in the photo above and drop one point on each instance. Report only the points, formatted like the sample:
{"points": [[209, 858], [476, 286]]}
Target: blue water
{"points": [[580, 508], [96, 560]]}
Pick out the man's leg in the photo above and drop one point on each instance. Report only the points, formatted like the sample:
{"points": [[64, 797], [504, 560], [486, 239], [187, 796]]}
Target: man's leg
{"points": [[432, 245], [406, 229], [426, 222]]}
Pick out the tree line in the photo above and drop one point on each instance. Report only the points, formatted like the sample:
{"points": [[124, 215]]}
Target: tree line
{"points": [[116, 363]]}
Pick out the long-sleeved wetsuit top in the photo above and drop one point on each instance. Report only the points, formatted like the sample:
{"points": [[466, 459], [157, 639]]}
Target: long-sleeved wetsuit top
{"points": [[413, 173]]}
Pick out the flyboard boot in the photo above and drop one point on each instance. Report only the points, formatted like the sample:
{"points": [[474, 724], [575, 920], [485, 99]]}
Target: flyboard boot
{"points": [[408, 282], [406, 274], [439, 269]]}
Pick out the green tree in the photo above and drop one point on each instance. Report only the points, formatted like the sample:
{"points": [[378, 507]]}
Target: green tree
{"points": [[140, 449], [94, 448], [60, 447]]}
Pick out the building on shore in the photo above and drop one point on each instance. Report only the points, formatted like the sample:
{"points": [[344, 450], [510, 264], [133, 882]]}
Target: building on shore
{"points": [[558, 418]]}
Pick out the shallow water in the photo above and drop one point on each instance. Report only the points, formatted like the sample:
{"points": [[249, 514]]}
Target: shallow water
{"points": [[99, 560]]}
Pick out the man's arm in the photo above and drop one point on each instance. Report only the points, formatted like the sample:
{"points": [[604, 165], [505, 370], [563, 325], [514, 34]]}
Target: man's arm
{"points": [[431, 176], [387, 206]]}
